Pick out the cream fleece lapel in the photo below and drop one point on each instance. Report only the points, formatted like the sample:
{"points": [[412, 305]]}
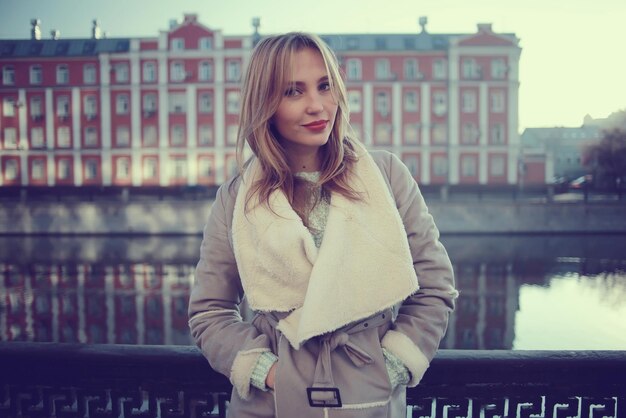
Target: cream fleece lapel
{"points": [[363, 266]]}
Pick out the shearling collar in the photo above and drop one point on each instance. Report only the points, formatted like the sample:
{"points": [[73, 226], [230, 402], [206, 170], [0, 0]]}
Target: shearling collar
{"points": [[363, 266]]}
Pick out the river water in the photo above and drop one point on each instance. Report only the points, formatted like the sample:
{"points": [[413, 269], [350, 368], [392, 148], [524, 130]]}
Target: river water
{"points": [[557, 292]]}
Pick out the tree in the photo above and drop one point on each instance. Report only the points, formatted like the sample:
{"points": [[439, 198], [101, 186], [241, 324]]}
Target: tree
{"points": [[607, 159]]}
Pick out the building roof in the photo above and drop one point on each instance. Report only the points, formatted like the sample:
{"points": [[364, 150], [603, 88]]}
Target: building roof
{"points": [[559, 135], [50, 48], [388, 42]]}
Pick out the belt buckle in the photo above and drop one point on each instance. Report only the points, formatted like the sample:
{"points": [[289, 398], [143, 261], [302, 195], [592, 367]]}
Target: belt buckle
{"points": [[323, 403]]}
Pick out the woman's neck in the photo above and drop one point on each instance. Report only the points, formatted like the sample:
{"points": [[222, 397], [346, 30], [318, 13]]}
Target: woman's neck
{"points": [[304, 161]]}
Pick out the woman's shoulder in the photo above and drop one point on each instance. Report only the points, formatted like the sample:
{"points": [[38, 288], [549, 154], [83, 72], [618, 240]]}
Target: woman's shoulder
{"points": [[388, 163], [227, 193]]}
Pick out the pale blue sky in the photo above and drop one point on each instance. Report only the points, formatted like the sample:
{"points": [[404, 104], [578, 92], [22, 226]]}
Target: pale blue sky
{"points": [[572, 59]]}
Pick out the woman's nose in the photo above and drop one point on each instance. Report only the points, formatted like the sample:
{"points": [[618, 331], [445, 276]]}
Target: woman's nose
{"points": [[315, 104]]}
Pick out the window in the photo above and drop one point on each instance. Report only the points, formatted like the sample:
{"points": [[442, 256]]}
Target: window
{"points": [[89, 74], [353, 69], [411, 134], [121, 104], [177, 71], [205, 135], [63, 74], [38, 169], [354, 101], [8, 75], [382, 69], [178, 135], [411, 71], [90, 106], [35, 75], [36, 137], [122, 136], [497, 134], [91, 169], [149, 72], [470, 69], [91, 137], [205, 167], [440, 165], [411, 101], [177, 103], [63, 106], [382, 103], [205, 103], [233, 70], [469, 166], [469, 134], [496, 168], [10, 138], [36, 107], [498, 69], [8, 106], [439, 69], [149, 136], [205, 71], [10, 170], [383, 134], [440, 134], [64, 168], [205, 44], [440, 103], [150, 165], [63, 137], [177, 44], [468, 102], [232, 102], [231, 135], [149, 104], [121, 73], [178, 168], [497, 101], [122, 168]]}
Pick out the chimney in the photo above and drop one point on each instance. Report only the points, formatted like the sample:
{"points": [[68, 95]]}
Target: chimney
{"points": [[55, 34], [173, 23], [256, 23], [484, 27], [35, 32], [96, 32], [423, 21]]}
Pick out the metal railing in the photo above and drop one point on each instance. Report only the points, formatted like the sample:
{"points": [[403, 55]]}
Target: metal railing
{"points": [[77, 380]]}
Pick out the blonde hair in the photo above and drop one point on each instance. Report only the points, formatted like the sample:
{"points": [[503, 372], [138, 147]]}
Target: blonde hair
{"points": [[267, 76]]}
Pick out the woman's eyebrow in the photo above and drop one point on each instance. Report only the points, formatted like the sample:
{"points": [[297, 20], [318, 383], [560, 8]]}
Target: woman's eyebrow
{"points": [[302, 83]]}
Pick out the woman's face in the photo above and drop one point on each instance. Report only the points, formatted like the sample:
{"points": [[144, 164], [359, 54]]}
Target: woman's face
{"points": [[306, 114]]}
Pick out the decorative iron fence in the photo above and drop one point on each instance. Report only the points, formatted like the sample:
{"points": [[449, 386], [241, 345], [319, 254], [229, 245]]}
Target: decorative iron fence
{"points": [[75, 380]]}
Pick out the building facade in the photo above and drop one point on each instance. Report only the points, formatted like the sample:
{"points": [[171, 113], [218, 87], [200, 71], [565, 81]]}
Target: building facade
{"points": [[163, 111], [558, 152]]}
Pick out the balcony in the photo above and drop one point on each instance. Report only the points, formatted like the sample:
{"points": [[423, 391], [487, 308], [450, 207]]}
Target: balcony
{"points": [[77, 380]]}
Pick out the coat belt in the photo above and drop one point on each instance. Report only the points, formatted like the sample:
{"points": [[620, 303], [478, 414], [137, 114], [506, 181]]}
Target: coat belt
{"points": [[323, 378]]}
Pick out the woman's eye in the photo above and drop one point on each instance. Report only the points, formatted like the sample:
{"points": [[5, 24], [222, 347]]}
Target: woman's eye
{"points": [[291, 92], [324, 86]]}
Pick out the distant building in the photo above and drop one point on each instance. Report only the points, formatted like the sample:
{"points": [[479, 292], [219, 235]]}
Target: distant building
{"points": [[163, 111], [549, 153]]}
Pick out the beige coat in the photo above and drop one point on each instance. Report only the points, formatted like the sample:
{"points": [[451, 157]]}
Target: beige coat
{"points": [[346, 349]]}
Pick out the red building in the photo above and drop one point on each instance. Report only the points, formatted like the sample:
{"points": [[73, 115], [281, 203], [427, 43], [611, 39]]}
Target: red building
{"points": [[163, 111]]}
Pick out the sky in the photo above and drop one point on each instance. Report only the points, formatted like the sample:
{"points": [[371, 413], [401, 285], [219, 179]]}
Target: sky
{"points": [[572, 63]]}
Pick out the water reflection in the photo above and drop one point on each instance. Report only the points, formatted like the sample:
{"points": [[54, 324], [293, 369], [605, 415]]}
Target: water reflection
{"points": [[516, 292]]}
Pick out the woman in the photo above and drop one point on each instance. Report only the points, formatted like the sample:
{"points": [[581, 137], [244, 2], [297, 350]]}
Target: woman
{"points": [[327, 242]]}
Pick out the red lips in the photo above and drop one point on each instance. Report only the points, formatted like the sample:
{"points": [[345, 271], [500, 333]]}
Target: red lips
{"points": [[316, 125]]}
